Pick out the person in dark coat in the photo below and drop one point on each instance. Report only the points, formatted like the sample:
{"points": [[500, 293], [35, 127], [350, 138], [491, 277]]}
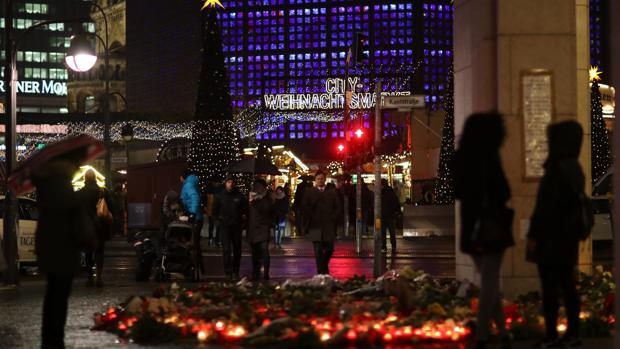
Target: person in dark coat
{"points": [[322, 210], [90, 196], [300, 220], [57, 244], [480, 185], [390, 209], [230, 209], [552, 235], [259, 227], [280, 210]]}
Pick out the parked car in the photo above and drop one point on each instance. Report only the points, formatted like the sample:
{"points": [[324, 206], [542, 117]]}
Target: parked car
{"points": [[28, 215], [602, 196]]}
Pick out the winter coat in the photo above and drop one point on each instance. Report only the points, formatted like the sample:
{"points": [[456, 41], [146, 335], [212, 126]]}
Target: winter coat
{"points": [[230, 207], [322, 210], [190, 197], [390, 204], [473, 175], [563, 180], [89, 197], [281, 208], [56, 238], [260, 219]]}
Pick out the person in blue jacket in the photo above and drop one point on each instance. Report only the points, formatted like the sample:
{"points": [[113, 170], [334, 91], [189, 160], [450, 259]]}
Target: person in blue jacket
{"points": [[190, 199]]}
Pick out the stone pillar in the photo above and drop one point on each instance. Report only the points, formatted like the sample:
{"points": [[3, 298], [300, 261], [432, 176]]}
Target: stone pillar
{"points": [[494, 42]]}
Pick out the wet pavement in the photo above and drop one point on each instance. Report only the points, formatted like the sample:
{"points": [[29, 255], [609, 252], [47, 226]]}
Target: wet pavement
{"points": [[20, 307]]}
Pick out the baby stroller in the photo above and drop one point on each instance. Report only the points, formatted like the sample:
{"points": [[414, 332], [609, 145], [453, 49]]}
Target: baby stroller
{"points": [[178, 253]]}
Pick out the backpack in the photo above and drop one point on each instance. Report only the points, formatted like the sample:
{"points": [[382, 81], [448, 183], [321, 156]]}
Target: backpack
{"points": [[103, 212]]}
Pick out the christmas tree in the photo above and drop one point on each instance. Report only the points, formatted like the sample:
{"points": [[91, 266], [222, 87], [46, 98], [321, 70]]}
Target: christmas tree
{"points": [[601, 157], [444, 185], [214, 135]]}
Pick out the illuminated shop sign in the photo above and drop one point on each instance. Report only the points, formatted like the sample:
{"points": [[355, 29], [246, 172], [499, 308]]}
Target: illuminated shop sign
{"points": [[39, 87], [333, 98]]}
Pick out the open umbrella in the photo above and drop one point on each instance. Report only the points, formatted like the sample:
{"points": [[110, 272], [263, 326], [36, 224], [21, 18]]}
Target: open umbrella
{"points": [[255, 166], [79, 149]]}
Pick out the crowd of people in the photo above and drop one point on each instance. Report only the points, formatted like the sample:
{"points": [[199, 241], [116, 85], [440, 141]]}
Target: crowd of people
{"points": [[264, 216], [72, 222]]}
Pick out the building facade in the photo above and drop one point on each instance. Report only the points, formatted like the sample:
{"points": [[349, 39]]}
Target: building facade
{"points": [[42, 75], [86, 90]]}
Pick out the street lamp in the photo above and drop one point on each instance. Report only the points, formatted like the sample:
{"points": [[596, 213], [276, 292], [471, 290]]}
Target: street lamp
{"points": [[11, 275], [81, 55], [81, 58]]}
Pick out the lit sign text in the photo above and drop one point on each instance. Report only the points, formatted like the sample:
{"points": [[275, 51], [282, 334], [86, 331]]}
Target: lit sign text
{"points": [[41, 87], [333, 98]]}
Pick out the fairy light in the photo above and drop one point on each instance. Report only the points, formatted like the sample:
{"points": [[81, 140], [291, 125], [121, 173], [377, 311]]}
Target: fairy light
{"points": [[201, 336]]}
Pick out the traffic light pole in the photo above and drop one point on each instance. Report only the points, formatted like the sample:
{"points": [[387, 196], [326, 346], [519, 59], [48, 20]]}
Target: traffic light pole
{"points": [[346, 117], [378, 257]]}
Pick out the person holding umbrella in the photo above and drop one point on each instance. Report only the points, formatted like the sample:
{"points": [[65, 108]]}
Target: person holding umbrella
{"points": [[64, 227]]}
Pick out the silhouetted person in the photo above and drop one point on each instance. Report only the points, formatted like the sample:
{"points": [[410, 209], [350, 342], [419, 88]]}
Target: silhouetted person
{"points": [[300, 221], [322, 211], [552, 233], [259, 227], [230, 211], [58, 242], [482, 189], [281, 209], [90, 196], [390, 209]]}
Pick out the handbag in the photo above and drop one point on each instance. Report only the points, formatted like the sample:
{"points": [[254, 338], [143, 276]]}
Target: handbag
{"points": [[103, 211], [492, 226]]}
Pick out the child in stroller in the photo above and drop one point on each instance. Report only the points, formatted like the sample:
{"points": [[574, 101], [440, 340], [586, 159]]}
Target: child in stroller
{"points": [[178, 257]]}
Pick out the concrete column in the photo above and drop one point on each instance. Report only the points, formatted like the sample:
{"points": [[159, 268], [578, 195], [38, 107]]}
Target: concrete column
{"points": [[494, 42], [614, 80]]}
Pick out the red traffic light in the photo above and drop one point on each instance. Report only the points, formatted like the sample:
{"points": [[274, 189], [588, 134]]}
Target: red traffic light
{"points": [[340, 148], [359, 133]]}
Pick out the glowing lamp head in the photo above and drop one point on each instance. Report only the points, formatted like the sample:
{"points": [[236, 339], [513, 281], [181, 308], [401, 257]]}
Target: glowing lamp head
{"points": [[359, 133], [340, 148], [81, 55]]}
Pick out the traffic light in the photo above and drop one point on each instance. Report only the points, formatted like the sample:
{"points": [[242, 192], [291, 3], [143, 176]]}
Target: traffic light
{"points": [[340, 148], [361, 49], [359, 133]]}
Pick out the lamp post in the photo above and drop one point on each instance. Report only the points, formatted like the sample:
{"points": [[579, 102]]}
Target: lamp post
{"points": [[76, 50], [11, 275]]}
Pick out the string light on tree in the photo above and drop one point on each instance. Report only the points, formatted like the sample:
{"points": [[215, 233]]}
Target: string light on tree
{"points": [[444, 185], [601, 156], [214, 142]]}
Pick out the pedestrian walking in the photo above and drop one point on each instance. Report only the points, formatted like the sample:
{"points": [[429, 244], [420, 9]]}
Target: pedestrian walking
{"points": [[556, 229], [390, 209], [190, 199], [208, 213], [482, 188], [322, 211], [281, 209], [259, 227], [63, 228], [230, 209], [100, 204], [300, 220]]}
